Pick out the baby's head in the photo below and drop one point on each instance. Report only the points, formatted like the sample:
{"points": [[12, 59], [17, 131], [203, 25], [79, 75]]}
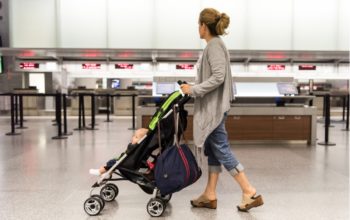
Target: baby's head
{"points": [[139, 133]]}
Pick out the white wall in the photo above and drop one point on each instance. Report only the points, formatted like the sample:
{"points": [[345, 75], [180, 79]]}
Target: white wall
{"points": [[32, 23], [82, 23], [176, 24], [173, 24], [269, 25], [130, 26], [315, 24], [343, 25]]}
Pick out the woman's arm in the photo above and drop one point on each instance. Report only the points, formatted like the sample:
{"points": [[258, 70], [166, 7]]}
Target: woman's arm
{"points": [[217, 62]]}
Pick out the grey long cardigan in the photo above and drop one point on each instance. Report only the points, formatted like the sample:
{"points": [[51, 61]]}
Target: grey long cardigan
{"points": [[212, 90]]}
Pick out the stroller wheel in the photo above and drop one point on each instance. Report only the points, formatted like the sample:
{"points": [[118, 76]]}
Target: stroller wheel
{"points": [[109, 192], [165, 198], [155, 207], [100, 199], [92, 206]]}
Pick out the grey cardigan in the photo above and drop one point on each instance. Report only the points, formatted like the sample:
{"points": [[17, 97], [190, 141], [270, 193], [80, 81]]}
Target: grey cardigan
{"points": [[212, 90]]}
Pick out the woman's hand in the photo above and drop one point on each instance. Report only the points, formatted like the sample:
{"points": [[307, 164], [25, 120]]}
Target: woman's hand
{"points": [[186, 89]]}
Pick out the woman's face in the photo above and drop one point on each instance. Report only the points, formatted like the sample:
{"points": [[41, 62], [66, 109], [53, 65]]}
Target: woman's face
{"points": [[201, 30]]}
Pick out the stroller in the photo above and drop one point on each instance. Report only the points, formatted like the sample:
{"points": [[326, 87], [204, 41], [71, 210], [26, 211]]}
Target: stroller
{"points": [[160, 135]]}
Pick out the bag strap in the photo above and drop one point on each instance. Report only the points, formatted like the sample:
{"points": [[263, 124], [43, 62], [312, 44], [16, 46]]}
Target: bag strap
{"points": [[159, 138], [176, 123], [183, 132]]}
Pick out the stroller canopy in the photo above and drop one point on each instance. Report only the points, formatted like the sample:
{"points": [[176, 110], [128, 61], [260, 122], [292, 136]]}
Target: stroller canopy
{"points": [[163, 110]]}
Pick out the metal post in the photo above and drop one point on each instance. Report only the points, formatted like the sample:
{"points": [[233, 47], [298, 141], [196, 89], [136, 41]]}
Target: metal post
{"points": [[344, 105], [92, 112], [59, 117], [311, 102], [80, 109], [13, 132], [16, 108], [65, 116], [21, 112], [324, 107], [327, 122], [108, 97], [83, 110]]}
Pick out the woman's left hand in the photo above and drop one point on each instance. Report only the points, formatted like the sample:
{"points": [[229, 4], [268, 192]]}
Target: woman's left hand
{"points": [[186, 89]]}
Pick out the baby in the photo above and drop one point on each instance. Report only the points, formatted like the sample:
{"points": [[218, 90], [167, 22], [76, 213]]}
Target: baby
{"points": [[138, 135]]}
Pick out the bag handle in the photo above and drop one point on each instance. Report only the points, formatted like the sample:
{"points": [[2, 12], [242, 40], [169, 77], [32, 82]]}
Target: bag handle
{"points": [[183, 133], [159, 138], [176, 120]]}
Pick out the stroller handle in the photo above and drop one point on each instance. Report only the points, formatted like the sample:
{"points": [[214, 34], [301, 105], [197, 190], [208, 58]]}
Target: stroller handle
{"points": [[186, 97], [181, 82]]}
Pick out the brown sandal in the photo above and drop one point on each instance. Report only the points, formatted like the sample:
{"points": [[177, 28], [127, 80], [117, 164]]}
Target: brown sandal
{"points": [[203, 202], [248, 203]]}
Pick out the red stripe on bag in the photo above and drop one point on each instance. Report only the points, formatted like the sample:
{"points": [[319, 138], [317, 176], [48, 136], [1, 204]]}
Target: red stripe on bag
{"points": [[187, 167]]}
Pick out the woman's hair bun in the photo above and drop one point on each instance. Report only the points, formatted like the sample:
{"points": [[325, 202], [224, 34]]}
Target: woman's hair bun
{"points": [[222, 24]]}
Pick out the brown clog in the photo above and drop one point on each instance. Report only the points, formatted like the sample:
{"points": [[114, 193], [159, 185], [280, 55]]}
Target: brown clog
{"points": [[250, 202], [203, 202]]}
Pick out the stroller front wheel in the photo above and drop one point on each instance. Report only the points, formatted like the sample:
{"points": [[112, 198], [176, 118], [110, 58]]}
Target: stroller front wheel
{"points": [[100, 199], [92, 206], [109, 192], [156, 207]]}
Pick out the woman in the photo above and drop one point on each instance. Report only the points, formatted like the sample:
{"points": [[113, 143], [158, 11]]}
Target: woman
{"points": [[213, 93]]}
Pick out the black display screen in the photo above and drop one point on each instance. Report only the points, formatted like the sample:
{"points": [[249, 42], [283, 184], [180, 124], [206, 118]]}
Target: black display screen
{"points": [[124, 66], [307, 67], [29, 66], [184, 66], [91, 66]]}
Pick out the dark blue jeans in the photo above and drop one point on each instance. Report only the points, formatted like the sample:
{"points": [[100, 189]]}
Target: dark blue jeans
{"points": [[218, 150]]}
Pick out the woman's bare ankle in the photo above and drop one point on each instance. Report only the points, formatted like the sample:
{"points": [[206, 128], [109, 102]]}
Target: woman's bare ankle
{"points": [[250, 192], [209, 195]]}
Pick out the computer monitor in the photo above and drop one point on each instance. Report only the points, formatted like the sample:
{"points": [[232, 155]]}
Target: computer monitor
{"points": [[115, 84], [287, 89], [165, 88]]}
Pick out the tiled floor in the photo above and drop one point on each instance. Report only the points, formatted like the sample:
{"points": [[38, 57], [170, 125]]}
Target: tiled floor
{"points": [[41, 178]]}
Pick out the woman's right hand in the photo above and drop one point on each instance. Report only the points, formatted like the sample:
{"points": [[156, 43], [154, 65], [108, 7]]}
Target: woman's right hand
{"points": [[186, 89]]}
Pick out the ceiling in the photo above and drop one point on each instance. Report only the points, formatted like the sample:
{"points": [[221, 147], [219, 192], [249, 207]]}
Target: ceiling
{"points": [[169, 55]]}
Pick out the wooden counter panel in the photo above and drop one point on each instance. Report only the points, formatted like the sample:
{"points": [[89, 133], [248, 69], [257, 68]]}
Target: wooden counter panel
{"points": [[291, 127], [249, 127]]}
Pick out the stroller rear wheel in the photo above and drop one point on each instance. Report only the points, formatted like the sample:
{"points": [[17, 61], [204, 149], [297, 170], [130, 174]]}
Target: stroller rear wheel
{"points": [[109, 192], [92, 206], [100, 199], [156, 207]]}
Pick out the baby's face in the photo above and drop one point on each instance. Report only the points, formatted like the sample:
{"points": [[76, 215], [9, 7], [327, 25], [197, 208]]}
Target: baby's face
{"points": [[138, 135]]}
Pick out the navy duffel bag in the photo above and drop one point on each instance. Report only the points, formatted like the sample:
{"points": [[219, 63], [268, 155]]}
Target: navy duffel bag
{"points": [[175, 169]]}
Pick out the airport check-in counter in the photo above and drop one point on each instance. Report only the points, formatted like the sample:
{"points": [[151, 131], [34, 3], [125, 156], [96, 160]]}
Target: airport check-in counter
{"points": [[261, 118], [122, 104], [75, 101], [30, 103]]}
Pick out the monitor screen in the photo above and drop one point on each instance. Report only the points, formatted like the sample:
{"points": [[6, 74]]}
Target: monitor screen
{"points": [[287, 89], [256, 89], [115, 83], [165, 88]]}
